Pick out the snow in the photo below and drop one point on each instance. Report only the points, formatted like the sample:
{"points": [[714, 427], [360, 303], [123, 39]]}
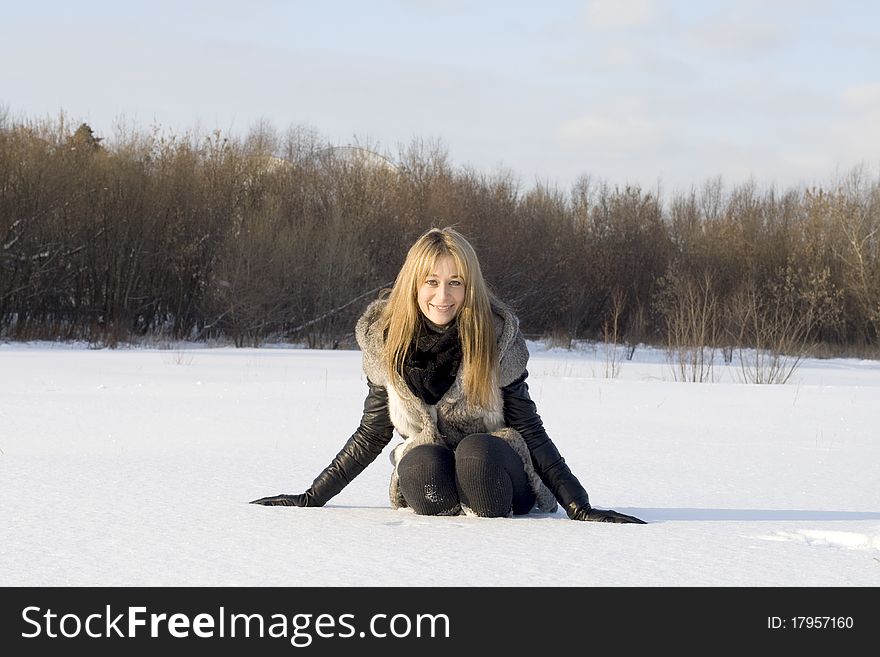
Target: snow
{"points": [[134, 467]]}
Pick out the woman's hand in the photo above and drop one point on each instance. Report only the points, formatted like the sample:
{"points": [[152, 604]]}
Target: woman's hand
{"points": [[283, 500], [588, 513]]}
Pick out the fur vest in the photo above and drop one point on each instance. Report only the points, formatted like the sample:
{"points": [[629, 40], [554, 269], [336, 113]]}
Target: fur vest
{"points": [[453, 417]]}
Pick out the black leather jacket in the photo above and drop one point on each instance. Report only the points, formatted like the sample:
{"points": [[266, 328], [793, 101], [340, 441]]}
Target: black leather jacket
{"points": [[375, 432], [521, 414], [367, 442]]}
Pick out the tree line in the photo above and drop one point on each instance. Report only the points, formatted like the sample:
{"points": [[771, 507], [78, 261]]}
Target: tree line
{"points": [[279, 236]]}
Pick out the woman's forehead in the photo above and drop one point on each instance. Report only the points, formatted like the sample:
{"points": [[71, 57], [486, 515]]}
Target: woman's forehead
{"points": [[444, 264]]}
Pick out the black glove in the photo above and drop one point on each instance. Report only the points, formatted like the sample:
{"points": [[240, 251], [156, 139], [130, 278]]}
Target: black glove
{"points": [[588, 513], [302, 499]]}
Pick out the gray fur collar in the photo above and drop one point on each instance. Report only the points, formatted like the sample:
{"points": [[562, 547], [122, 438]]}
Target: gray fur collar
{"points": [[511, 346]]}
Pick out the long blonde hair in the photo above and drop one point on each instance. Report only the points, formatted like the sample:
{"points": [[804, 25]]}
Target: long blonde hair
{"points": [[401, 316]]}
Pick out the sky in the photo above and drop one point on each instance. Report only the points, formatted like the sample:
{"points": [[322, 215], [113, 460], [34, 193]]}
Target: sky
{"points": [[136, 466], [665, 94]]}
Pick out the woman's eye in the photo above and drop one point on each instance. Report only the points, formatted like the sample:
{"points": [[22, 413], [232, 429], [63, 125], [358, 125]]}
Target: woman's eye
{"points": [[455, 283], [431, 282]]}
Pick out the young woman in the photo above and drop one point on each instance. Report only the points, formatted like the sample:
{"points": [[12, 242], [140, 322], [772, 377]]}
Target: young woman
{"points": [[446, 367]]}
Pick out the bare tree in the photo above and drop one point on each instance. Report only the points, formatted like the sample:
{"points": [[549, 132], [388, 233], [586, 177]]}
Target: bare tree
{"points": [[611, 333], [689, 308], [775, 325]]}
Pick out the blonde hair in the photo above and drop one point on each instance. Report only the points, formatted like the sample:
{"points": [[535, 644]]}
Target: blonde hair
{"points": [[401, 316]]}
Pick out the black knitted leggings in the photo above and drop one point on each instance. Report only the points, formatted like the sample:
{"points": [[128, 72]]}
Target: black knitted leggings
{"points": [[483, 474]]}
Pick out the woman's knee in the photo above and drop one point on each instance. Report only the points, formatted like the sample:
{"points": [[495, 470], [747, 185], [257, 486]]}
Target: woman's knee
{"points": [[427, 455], [486, 447], [491, 476], [427, 480]]}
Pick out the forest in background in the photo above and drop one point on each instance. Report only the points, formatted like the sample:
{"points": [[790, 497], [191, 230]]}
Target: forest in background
{"points": [[278, 236]]}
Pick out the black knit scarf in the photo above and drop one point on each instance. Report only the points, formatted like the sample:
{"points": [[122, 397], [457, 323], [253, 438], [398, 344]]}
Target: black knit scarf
{"points": [[432, 361]]}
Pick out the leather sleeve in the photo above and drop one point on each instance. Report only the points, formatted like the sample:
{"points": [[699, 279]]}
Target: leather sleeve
{"points": [[521, 414], [367, 442]]}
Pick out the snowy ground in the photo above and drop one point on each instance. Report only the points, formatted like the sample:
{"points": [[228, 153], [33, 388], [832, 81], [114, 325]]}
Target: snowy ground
{"points": [[134, 467]]}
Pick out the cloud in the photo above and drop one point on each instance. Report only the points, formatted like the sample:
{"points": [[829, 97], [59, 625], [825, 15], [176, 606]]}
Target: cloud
{"points": [[619, 14], [738, 37], [620, 133], [862, 96]]}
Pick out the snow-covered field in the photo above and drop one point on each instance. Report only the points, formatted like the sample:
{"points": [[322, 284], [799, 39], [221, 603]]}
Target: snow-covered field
{"points": [[134, 467]]}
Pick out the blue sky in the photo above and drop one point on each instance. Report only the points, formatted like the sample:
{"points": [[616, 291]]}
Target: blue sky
{"points": [[670, 93]]}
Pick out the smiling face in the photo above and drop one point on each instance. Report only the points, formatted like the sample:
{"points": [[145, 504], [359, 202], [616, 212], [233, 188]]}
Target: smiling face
{"points": [[441, 294]]}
